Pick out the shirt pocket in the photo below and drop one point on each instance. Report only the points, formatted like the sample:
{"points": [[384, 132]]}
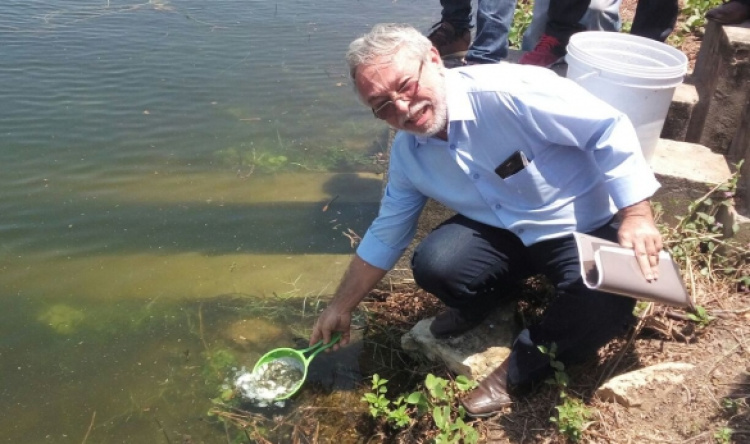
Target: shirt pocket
{"points": [[530, 187]]}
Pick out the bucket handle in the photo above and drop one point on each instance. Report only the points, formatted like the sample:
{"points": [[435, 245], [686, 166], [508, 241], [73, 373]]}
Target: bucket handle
{"points": [[586, 76], [319, 347]]}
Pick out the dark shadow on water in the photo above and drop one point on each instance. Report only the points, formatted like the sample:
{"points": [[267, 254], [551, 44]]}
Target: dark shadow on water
{"points": [[90, 227]]}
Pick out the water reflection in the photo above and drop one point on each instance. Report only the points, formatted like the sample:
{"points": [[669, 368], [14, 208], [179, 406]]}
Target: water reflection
{"points": [[155, 156]]}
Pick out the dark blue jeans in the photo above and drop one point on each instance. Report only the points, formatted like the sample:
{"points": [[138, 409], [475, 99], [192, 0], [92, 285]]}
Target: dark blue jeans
{"points": [[469, 265], [655, 19], [494, 19]]}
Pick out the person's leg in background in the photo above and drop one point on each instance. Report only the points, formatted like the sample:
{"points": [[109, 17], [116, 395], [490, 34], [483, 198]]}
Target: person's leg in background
{"points": [[655, 19], [536, 28], [452, 35], [601, 15], [494, 19], [732, 12], [563, 20]]}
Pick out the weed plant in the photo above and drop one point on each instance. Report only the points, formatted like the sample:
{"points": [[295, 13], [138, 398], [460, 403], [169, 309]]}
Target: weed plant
{"points": [[521, 20], [573, 417], [694, 12], [703, 246], [438, 398]]}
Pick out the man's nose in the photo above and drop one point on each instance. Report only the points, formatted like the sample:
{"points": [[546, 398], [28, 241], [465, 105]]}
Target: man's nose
{"points": [[401, 104]]}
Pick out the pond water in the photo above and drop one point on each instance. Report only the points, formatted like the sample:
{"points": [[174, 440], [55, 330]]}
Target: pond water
{"points": [[177, 178]]}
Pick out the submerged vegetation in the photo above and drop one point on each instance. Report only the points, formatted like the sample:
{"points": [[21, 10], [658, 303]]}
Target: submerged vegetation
{"points": [[276, 156]]}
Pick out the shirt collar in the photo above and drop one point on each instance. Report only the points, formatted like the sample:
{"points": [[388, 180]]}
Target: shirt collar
{"points": [[457, 98]]}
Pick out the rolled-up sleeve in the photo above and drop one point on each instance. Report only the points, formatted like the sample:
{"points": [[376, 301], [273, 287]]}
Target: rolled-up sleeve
{"points": [[394, 227]]}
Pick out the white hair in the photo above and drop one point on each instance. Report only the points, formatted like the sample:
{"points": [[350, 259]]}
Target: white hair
{"points": [[387, 40]]}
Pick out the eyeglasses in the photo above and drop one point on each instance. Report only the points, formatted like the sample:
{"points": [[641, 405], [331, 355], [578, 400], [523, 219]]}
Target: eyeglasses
{"points": [[407, 92]]}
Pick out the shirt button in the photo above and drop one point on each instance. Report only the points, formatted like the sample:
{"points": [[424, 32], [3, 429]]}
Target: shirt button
{"points": [[498, 206], [520, 231], [475, 176], [453, 146]]}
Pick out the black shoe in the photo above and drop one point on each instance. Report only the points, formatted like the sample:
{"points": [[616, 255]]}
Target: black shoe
{"points": [[452, 322], [449, 41]]}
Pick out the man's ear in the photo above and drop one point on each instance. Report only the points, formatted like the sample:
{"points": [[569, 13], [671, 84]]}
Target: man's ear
{"points": [[435, 56]]}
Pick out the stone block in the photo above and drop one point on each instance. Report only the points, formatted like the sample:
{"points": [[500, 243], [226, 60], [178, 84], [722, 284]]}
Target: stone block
{"points": [[475, 353], [680, 111], [687, 171], [629, 389], [721, 76], [740, 150]]}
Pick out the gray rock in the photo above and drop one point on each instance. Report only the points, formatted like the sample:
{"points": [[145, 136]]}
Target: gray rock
{"points": [[629, 389], [475, 353]]}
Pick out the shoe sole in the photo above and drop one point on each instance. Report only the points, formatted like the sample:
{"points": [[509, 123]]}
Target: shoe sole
{"points": [[486, 415], [559, 61], [454, 55]]}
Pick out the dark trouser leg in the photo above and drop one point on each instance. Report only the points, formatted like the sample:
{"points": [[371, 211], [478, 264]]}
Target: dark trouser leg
{"points": [[655, 19], [457, 13], [578, 321], [494, 19], [467, 265], [564, 17]]}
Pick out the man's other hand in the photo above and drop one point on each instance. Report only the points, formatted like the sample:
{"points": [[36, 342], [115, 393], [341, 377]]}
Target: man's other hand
{"points": [[638, 231]]}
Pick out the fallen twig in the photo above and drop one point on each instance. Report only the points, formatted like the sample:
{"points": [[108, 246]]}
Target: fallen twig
{"points": [[91, 426]]}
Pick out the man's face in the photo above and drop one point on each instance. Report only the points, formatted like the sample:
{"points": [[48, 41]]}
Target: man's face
{"points": [[406, 92]]}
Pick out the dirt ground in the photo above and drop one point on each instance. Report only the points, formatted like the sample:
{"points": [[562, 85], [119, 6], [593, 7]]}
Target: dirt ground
{"points": [[712, 398]]}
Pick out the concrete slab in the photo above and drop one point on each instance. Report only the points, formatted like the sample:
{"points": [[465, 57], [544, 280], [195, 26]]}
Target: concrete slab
{"points": [[721, 76], [690, 162], [680, 112]]}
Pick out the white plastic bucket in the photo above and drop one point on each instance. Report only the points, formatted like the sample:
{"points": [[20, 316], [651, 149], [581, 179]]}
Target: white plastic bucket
{"points": [[634, 74]]}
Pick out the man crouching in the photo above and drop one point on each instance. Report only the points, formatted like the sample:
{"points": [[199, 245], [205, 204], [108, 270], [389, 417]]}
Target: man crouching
{"points": [[525, 158]]}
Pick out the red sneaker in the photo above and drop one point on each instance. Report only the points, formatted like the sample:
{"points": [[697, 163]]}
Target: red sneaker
{"points": [[549, 51]]}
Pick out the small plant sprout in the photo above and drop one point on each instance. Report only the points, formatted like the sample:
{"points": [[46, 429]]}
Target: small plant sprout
{"points": [[572, 415], [701, 317], [439, 398], [724, 435]]}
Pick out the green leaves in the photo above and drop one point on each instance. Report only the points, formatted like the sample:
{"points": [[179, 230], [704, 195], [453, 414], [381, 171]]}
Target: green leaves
{"points": [[695, 13], [700, 240], [701, 316], [464, 384], [379, 404], [439, 399], [572, 415], [572, 418]]}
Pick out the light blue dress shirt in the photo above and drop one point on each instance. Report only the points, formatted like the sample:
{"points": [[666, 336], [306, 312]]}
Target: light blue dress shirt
{"points": [[585, 161]]}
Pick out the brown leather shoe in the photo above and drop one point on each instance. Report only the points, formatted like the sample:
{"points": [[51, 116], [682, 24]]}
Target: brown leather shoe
{"points": [[449, 41], [491, 396], [730, 13], [452, 323]]}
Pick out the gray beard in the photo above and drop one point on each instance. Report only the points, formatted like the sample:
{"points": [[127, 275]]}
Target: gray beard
{"points": [[439, 111]]}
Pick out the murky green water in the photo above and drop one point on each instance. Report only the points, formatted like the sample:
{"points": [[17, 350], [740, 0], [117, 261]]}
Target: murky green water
{"points": [[164, 166]]}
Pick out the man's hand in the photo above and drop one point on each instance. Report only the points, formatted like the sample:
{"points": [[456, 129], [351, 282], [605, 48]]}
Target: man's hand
{"points": [[638, 231], [332, 319], [357, 282]]}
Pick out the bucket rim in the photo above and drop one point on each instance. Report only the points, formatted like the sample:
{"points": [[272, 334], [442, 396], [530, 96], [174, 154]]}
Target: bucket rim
{"points": [[600, 36], [577, 40]]}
